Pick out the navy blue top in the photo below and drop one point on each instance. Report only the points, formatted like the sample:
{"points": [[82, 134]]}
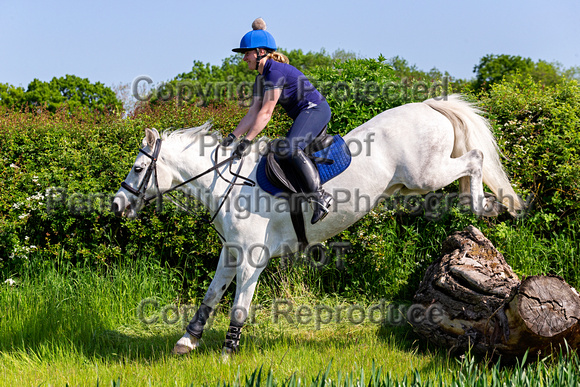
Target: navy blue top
{"points": [[298, 93]]}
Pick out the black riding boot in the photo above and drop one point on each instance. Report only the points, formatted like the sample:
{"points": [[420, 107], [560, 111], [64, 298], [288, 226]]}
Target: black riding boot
{"points": [[309, 179]]}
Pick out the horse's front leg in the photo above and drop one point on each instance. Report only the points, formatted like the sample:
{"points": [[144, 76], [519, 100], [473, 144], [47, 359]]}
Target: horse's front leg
{"points": [[248, 272], [225, 272]]}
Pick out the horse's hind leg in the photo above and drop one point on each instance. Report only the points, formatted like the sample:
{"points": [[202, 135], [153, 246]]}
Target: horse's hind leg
{"points": [[225, 272], [481, 204], [469, 166]]}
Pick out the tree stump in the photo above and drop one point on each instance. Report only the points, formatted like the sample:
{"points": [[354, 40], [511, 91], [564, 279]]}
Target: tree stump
{"points": [[480, 303]]}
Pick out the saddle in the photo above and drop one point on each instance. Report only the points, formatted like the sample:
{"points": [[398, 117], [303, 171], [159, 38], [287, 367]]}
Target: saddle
{"points": [[331, 156], [282, 175]]}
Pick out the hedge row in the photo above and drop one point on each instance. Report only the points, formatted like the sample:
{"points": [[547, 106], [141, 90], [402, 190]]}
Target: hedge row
{"points": [[59, 171], [538, 129]]}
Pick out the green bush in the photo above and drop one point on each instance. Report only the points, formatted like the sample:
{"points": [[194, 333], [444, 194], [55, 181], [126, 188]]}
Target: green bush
{"points": [[58, 174], [538, 129]]}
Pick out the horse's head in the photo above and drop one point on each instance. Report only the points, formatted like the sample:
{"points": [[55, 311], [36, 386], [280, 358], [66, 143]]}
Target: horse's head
{"points": [[146, 179]]}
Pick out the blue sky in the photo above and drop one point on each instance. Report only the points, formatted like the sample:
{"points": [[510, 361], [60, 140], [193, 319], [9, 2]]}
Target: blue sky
{"points": [[116, 41]]}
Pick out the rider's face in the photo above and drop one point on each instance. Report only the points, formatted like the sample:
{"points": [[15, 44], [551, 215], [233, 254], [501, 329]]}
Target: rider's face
{"points": [[250, 58]]}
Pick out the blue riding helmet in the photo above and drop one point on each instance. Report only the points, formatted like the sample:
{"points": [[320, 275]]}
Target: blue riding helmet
{"points": [[256, 39]]}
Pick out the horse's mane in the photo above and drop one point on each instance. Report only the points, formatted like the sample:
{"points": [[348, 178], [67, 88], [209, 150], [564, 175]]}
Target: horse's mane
{"points": [[191, 134], [188, 136]]}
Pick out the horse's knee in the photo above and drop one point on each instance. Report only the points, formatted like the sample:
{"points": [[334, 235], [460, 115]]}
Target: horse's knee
{"points": [[210, 297]]}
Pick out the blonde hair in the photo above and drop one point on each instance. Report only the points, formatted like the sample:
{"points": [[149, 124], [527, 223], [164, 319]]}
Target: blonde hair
{"points": [[278, 57]]}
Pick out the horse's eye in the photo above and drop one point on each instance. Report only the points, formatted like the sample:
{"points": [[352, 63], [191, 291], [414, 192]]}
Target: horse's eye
{"points": [[138, 169]]}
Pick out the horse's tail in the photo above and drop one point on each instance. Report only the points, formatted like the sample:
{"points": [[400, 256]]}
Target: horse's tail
{"points": [[473, 131]]}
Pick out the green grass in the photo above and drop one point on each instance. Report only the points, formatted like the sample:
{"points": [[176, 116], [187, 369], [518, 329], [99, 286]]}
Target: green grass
{"points": [[77, 326], [74, 325], [532, 251]]}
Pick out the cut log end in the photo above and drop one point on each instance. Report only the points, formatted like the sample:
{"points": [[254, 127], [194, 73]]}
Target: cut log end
{"points": [[484, 305], [548, 305]]}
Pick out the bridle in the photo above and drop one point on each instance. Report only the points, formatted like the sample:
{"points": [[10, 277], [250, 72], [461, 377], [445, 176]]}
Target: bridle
{"points": [[141, 191]]}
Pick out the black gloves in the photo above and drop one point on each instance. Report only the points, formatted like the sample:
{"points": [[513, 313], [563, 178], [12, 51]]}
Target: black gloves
{"points": [[228, 140], [242, 148]]}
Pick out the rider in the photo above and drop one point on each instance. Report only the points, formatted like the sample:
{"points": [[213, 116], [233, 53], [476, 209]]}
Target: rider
{"points": [[279, 82]]}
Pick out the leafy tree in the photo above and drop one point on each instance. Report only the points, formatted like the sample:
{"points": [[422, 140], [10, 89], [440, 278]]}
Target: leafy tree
{"points": [[72, 91], [405, 70], [232, 68], [495, 68], [40, 93], [306, 62], [412, 74], [11, 96], [546, 73], [342, 55], [573, 73], [206, 82]]}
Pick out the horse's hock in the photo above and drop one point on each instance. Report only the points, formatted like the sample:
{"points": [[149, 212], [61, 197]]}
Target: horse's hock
{"points": [[481, 303]]}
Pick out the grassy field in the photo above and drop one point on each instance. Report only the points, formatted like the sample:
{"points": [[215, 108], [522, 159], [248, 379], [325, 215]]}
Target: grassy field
{"points": [[75, 326], [71, 325]]}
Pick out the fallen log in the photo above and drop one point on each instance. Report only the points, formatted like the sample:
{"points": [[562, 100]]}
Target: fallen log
{"points": [[482, 304]]}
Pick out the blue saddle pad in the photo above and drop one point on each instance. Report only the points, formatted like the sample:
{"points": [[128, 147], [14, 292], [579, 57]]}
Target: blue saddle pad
{"points": [[338, 152]]}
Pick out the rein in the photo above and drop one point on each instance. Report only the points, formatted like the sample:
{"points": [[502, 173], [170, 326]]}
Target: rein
{"points": [[140, 192]]}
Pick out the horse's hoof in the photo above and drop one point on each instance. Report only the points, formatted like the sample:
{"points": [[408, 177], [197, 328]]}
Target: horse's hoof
{"points": [[227, 353], [185, 345], [181, 350], [494, 208], [490, 207]]}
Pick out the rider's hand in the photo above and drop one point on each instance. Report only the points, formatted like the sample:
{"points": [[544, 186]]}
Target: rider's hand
{"points": [[228, 140], [242, 148]]}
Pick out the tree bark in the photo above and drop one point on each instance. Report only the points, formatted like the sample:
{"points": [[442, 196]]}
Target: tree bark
{"points": [[481, 303]]}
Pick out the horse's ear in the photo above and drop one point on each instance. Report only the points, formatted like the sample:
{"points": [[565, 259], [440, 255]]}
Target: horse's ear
{"points": [[151, 135]]}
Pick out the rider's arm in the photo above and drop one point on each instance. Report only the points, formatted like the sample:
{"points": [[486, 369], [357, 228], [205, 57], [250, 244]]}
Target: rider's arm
{"points": [[248, 120], [264, 113]]}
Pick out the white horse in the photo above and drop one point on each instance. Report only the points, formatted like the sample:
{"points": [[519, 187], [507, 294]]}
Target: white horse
{"points": [[412, 149]]}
